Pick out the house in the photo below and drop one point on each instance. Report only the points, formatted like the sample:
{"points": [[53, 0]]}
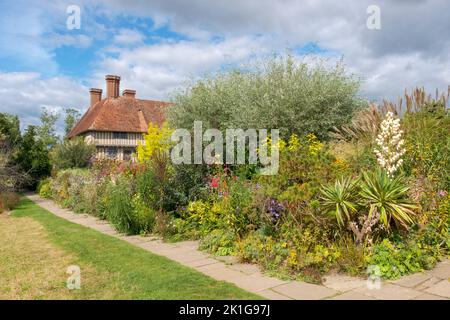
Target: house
{"points": [[116, 123]]}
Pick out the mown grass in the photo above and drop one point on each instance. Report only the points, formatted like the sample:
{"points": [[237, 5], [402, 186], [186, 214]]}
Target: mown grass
{"points": [[110, 268]]}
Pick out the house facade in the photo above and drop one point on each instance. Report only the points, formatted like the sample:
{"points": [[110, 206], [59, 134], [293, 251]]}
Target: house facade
{"points": [[116, 124]]}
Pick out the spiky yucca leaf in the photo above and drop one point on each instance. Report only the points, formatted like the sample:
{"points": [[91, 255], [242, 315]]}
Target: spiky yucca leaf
{"points": [[339, 198], [388, 196]]}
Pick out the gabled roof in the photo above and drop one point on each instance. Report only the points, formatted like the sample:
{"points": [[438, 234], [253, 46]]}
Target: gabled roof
{"points": [[121, 114]]}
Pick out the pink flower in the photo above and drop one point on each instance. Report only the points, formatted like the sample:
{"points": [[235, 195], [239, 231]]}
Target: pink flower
{"points": [[214, 182]]}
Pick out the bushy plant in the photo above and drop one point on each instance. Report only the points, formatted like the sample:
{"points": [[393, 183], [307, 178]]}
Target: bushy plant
{"points": [[219, 242], [8, 200], [395, 259], [143, 215], [44, 188], [119, 209], [277, 93], [340, 199], [72, 153], [389, 196]]}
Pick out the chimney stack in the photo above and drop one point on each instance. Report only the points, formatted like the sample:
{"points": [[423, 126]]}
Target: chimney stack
{"points": [[96, 95], [128, 93], [112, 86]]}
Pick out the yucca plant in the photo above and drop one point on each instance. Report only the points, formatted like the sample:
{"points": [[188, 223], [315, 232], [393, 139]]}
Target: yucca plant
{"points": [[340, 199], [388, 196]]}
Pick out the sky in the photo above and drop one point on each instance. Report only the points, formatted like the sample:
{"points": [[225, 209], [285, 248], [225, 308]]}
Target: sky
{"points": [[157, 45]]}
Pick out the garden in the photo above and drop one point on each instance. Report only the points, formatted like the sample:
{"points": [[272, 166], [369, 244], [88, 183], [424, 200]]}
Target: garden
{"points": [[361, 187]]}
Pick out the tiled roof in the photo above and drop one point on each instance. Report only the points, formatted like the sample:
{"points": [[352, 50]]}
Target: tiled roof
{"points": [[121, 114]]}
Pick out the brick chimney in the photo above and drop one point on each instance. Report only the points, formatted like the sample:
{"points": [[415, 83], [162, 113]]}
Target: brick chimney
{"points": [[112, 86], [128, 93], [96, 95]]}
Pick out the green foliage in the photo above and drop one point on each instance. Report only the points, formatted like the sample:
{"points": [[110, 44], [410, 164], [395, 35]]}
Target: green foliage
{"points": [[46, 131], [71, 118], [389, 197], [400, 258], [428, 144], [143, 216], [33, 157], [10, 130], [73, 153], [44, 188], [277, 93], [340, 199], [219, 242], [187, 183], [119, 210]]}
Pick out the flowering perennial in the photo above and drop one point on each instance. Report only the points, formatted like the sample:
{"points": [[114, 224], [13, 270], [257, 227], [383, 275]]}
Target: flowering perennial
{"points": [[390, 144]]}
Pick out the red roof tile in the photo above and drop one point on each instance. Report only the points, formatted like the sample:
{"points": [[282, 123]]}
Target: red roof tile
{"points": [[121, 115]]}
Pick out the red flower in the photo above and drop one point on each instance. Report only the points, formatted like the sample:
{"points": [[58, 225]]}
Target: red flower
{"points": [[214, 182]]}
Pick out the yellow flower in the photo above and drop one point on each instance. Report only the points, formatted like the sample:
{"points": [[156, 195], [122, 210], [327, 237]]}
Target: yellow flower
{"points": [[293, 142]]}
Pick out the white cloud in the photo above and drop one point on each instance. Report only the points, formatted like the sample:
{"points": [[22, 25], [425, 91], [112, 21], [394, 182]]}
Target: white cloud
{"points": [[156, 70], [26, 93], [411, 49], [128, 37]]}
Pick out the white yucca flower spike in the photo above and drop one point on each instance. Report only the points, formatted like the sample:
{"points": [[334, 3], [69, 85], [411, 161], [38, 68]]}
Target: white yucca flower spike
{"points": [[389, 150]]}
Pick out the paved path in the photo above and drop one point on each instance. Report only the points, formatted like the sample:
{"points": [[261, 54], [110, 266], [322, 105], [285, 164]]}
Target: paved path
{"points": [[433, 284]]}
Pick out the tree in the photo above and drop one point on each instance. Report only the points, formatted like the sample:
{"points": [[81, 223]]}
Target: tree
{"points": [[33, 156], [279, 93], [46, 131], [10, 176], [10, 129], [72, 117], [73, 153]]}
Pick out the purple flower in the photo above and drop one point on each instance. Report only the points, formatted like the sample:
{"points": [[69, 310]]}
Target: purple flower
{"points": [[275, 210], [442, 193]]}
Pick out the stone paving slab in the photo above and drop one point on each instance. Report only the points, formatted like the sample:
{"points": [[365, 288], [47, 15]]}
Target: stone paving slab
{"points": [[201, 262], [272, 295], [352, 295], [442, 270], [441, 289], [388, 291], [431, 284], [413, 280], [343, 283], [246, 268], [256, 282], [304, 291], [427, 296]]}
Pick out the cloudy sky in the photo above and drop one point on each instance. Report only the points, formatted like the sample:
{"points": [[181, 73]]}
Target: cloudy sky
{"points": [[156, 45]]}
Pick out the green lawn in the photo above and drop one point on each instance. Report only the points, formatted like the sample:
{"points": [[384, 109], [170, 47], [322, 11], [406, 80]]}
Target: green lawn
{"points": [[110, 268]]}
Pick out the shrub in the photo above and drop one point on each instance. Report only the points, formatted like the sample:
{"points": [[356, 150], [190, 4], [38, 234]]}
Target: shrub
{"points": [[143, 215], [219, 242], [72, 153], [8, 200], [340, 199], [44, 188], [427, 124], [389, 197], [397, 259], [119, 209], [277, 93]]}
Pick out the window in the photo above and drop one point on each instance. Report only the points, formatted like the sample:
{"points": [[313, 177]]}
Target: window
{"points": [[120, 135], [111, 152]]}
